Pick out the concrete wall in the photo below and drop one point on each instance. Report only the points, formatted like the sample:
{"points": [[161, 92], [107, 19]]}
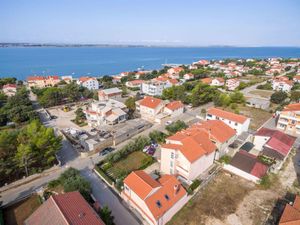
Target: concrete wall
{"points": [[241, 173]]}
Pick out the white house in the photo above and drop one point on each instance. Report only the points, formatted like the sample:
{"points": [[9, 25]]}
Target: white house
{"points": [[282, 84], [155, 87], [105, 112], [187, 154], [134, 84], [157, 201], [188, 76], [218, 81], [9, 89], [150, 107], [237, 122], [174, 108], [232, 84], [90, 83]]}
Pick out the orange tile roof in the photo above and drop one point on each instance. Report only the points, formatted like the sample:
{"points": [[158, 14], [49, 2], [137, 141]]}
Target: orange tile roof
{"points": [[292, 107], [84, 79], [134, 82], [206, 80], [291, 214], [167, 185], [174, 105], [170, 187], [33, 78], [141, 183], [218, 130], [227, 115], [150, 102], [194, 143], [297, 77]]}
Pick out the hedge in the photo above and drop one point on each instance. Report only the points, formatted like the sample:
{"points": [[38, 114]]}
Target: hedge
{"points": [[104, 175]]}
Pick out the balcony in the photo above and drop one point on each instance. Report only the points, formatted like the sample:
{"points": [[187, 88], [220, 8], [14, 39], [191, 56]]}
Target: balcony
{"points": [[182, 171]]}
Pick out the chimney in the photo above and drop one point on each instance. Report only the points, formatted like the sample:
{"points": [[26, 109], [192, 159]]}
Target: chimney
{"points": [[176, 189]]}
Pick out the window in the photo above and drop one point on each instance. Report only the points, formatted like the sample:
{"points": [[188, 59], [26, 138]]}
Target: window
{"points": [[158, 204], [172, 155], [171, 163], [217, 118], [167, 197], [236, 124]]}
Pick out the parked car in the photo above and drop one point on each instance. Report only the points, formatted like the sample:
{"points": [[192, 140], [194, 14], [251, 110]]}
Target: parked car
{"points": [[151, 150], [106, 151], [146, 148], [168, 122]]}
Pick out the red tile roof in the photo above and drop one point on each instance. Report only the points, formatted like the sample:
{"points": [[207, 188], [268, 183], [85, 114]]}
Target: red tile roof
{"points": [[68, 208], [33, 78], [150, 102], [206, 80], [279, 141], [291, 213], [152, 191], [9, 86], [217, 129], [194, 144], [84, 79], [292, 107], [227, 115], [145, 183], [174, 105]]}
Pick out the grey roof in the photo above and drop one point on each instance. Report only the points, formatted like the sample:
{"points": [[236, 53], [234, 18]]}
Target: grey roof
{"points": [[112, 90]]}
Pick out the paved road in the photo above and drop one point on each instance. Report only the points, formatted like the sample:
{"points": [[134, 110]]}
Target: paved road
{"points": [[70, 158]]}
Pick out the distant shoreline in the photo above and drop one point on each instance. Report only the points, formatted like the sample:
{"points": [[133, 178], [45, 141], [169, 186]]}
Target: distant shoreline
{"points": [[43, 45]]}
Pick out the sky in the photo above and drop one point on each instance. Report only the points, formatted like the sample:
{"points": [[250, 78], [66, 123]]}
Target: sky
{"points": [[154, 22]]}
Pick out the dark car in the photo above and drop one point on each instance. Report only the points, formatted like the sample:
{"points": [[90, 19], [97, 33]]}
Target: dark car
{"points": [[106, 151]]}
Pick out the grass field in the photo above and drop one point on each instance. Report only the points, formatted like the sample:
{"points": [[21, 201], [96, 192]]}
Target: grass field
{"points": [[258, 116], [132, 162], [219, 199], [262, 93], [16, 214]]}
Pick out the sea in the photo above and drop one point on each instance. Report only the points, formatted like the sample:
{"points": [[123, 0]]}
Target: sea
{"points": [[21, 62]]}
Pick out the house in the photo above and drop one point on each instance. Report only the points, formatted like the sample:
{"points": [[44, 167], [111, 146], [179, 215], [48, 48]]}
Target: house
{"points": [[218, 81], [220, 134], [64, 209], [110, 93], [67, 79], [247, 166], [259, 103], [187, 154], [150, 107], [273, 144], [232, 84], [174, 108], [291, 213], [42, 81], [108, 112], [289, 119], [202, 62], [282, 84], [206, 80], [296, 79], [134, 84], [156, 200], [155, 87], [175, 70], [188, 76], [9, 89], [90, 83], [237, 122]]}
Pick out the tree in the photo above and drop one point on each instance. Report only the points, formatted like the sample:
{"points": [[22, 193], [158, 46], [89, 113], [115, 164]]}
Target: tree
{"points": [[51, 96], [295, 96], [237, 97], [202, 94], [278, 97], [80, 115], [176, 126], [130, 103], [157, 136], [222, 100], [106, 216], [37, 145]]}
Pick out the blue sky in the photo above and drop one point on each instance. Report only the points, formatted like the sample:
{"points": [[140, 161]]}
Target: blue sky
{"points": [[160, 22]]}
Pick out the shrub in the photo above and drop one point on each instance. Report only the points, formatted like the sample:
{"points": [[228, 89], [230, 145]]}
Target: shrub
{"points": [[53, 183], [196, 183], [176, 126], [104, 176], [278, 97], [225, 159]]}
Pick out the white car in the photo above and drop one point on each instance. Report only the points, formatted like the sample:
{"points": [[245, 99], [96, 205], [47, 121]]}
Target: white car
{"points": [[168, 122]]}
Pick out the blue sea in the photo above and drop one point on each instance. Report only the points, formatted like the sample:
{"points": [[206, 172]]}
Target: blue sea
{"points": [[99, 61]]}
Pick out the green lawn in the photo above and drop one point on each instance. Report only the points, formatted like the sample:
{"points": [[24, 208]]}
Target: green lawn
{"points": [[133, 161]]}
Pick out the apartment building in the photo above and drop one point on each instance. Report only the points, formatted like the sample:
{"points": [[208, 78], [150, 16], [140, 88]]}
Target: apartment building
{"points": [[108, 112], [237, 122], [232, 84], [157, 201], [282, 84], [289, 119], [42, 81], [9, 89], [90, 83]]}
